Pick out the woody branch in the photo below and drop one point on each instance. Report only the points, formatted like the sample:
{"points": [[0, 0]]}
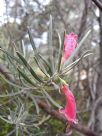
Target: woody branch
{"points": [[59, 116]]}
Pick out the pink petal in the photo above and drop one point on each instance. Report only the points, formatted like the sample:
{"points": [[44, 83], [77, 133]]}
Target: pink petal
{"points": [[70, 109], [70, 44]]}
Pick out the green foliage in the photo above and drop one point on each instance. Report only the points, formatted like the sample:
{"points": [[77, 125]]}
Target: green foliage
{"points": [[5, 128], [57, 126], [35, 78], [85, 116]]}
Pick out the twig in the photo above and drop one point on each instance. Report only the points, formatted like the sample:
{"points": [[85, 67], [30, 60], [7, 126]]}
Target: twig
{"points": [[60, 117], [83, 23], [98, 3]]}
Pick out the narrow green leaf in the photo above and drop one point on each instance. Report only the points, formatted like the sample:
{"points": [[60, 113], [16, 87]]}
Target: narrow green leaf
{"points": [[50, 45], [12, 94], [11, 62], [23, 48], [61, 46], [11, 83], [46, 64], [29, 67], [35, 103], [25, 77], [31, 40], [72, 65], [10, 55], [78, 62], [5, 120], [51, 100], [41, 67]]}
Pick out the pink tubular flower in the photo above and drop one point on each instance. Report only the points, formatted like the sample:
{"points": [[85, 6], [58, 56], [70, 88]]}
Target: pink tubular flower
{"points": [[70, 43], [70, 109]]}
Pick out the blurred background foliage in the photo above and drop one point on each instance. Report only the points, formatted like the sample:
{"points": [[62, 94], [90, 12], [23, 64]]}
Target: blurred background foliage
{"points": [[27, 25]]}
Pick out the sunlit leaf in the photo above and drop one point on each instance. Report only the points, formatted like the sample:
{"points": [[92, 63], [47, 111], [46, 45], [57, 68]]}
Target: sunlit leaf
{"points": [[23, 48], [47, 66], [41, 67]]}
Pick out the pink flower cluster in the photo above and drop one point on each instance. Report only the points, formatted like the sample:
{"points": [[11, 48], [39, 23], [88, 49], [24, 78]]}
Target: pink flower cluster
{"points": [[70, 108], [69, 111], [70, 43]]}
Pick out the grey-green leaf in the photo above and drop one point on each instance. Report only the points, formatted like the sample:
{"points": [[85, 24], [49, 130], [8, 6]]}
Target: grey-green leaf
{"points": [[50, 45], [25, 77], [31, 40], [51, 100], [46, 64], [10, 55], [41, 67], [29, 67], [61, 46]]}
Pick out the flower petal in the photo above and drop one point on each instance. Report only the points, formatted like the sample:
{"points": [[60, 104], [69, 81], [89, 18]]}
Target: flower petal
{"points": [[70, 109], [70, 43]]}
